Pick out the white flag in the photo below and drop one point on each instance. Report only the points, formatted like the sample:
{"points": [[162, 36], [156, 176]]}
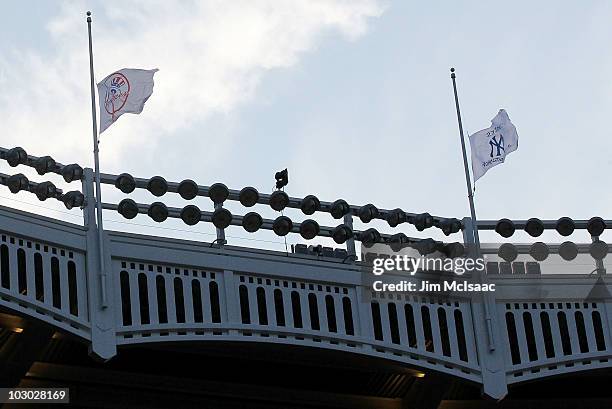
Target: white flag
{"points": [[490, 146], [123, 92]]}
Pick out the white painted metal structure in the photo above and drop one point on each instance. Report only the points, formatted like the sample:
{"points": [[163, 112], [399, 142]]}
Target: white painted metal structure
{"points": [[168, 290]]}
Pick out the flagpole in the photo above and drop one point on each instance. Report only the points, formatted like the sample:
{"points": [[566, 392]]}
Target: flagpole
{"points": [[466, 168], [97, 169], [486, 297]]}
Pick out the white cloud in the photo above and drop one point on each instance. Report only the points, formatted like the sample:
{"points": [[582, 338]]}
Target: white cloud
{"points": [[211, 55]]}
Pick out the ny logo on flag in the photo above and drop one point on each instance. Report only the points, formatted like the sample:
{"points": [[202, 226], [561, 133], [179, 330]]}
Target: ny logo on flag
{"points": [[497, 144], [491, 145]]}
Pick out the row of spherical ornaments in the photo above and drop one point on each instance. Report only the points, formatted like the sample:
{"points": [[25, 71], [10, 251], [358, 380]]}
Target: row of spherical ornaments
{"points": [[281, 226], [45, 164], [43, 191], [251, 222], [564, 226], [249, 196], [540, 251], [218, 193], [279, 200]]}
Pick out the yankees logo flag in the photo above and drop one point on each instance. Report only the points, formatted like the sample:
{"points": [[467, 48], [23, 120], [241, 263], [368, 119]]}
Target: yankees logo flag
{"points": [[490, 146], [123, 92]]}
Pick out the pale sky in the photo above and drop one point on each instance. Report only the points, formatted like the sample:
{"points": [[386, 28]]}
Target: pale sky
{"points": [[354, 97]]}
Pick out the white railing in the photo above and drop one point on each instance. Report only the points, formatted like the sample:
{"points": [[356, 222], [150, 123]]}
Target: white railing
{"points": [[167, 290]]}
